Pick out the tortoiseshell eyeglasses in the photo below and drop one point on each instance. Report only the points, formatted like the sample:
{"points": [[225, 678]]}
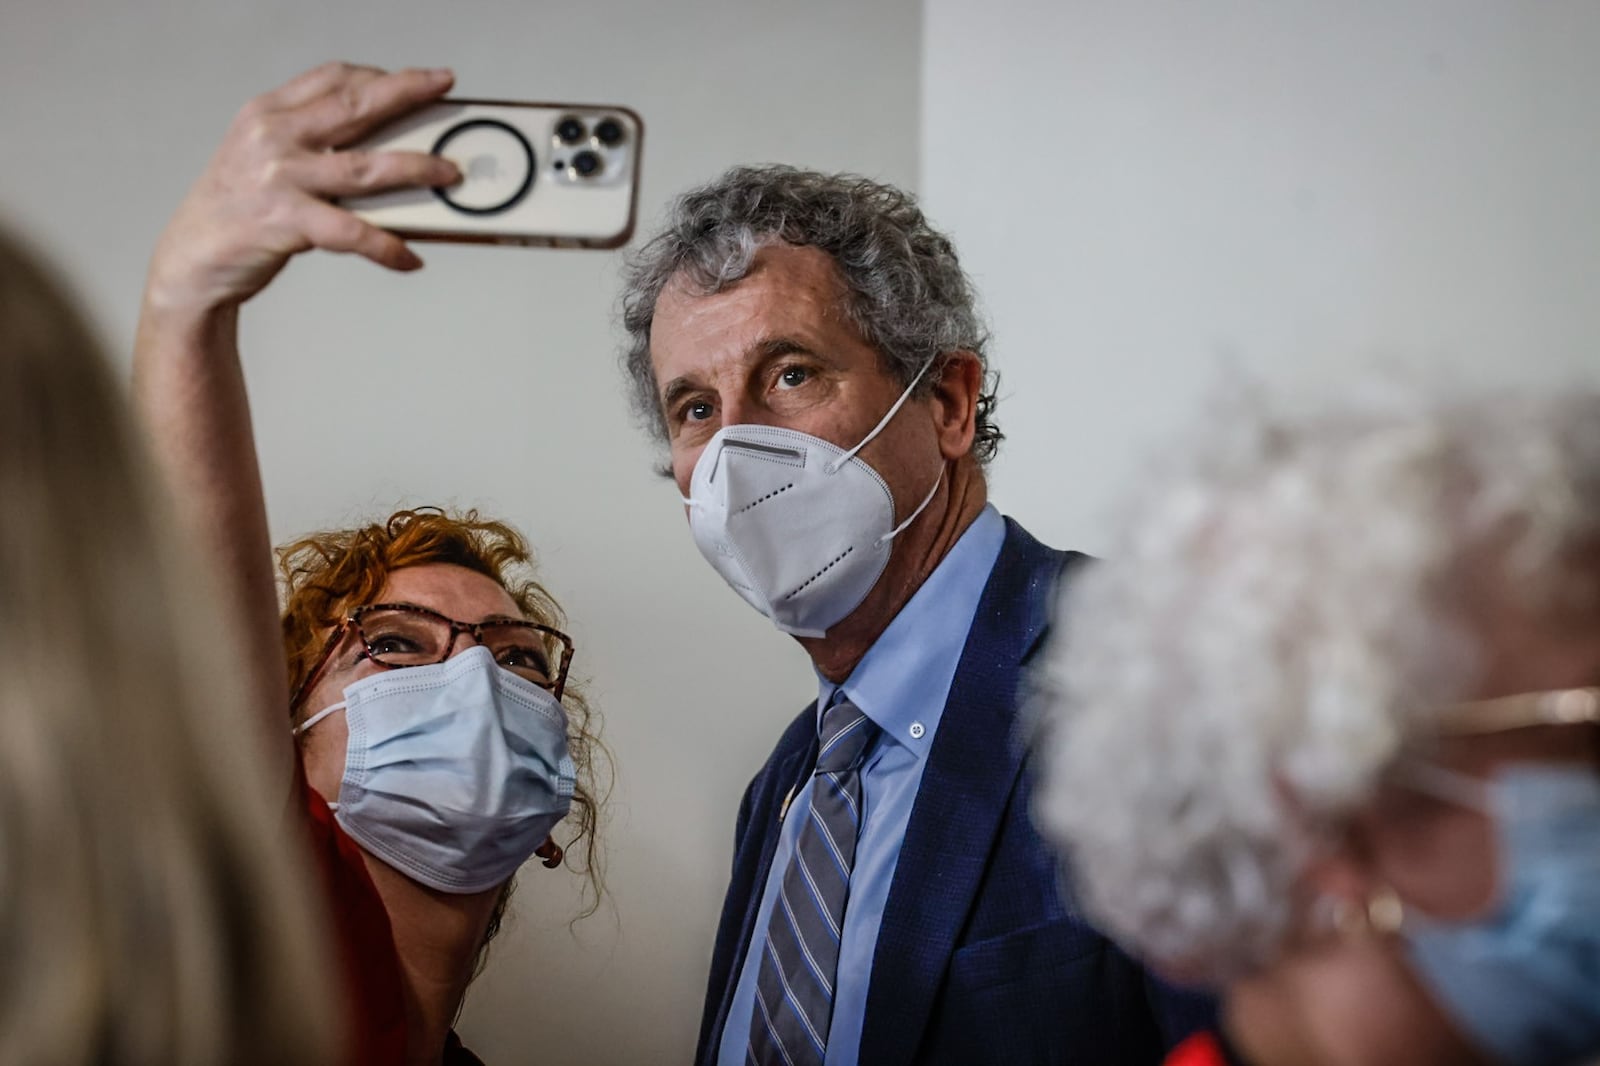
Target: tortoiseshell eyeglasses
{"points": [[397, 635]]}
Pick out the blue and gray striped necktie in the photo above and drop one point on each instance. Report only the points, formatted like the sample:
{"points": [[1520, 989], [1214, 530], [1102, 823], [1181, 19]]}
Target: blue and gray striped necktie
{"points": [[800, 954]]}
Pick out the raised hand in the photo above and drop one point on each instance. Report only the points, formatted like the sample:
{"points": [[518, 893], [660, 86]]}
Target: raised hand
{"points": [[265, 196]]}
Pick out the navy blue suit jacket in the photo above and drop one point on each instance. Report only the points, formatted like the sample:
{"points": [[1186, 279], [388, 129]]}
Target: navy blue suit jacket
{"points": [[980, 957]]}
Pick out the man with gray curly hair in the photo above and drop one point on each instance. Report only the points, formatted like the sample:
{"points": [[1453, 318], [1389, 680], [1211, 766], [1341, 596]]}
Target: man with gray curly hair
{"points": [[808, 349], [1325, 730]]}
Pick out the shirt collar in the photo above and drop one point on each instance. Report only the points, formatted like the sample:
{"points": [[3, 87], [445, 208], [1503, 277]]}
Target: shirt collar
{"points": [[904, 679]]}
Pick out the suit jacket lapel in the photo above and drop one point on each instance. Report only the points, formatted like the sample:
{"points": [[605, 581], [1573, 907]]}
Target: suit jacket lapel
{"points": [[972, 769]]}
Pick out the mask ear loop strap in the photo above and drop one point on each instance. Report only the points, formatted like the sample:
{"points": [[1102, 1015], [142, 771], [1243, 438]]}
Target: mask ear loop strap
{"points": [[319, 716], [912, 517], [1451, 786], [833, 467]]}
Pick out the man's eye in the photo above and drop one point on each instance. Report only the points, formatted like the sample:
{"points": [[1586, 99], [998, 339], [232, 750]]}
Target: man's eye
{"points": [[698, 411], [793, 377]]}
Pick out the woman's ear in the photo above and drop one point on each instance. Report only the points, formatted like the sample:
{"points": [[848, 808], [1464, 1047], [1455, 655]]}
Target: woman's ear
{"points": [[1342, 880], [1338, 882]]}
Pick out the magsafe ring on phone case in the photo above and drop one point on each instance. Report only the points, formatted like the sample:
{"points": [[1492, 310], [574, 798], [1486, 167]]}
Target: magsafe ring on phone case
{"points": [[559, 175], [497, 166]]}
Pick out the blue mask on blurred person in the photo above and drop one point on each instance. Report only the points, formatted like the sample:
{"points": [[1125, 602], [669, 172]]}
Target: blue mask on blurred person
{"points": [[453, 773], [1523, 983]]}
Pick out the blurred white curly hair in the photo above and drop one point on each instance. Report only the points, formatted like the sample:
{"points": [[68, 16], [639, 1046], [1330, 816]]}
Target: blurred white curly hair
{"points": [[1275, 626]]}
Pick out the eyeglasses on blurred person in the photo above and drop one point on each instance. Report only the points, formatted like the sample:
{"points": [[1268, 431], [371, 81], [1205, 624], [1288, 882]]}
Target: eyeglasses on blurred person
{"points": [[1324, 733]]}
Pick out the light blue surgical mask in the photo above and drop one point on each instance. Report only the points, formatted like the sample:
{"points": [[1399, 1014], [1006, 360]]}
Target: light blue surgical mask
{"points": [[454, 773], [1523, 982]]}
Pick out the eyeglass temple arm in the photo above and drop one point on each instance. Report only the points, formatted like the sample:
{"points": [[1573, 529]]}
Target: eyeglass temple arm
{"points": [[322, 663], [1572, 706]]}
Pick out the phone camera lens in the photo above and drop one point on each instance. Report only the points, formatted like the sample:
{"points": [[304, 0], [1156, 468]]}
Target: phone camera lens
{"points": [[586, 164], [608, 131], [570, 131]]}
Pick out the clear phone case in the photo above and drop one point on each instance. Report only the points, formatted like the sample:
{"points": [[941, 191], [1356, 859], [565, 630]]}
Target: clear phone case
{"points": [[553, 175]]}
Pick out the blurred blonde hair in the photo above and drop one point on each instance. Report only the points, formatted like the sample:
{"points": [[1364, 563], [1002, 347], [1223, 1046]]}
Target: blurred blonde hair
{"points": [[153, 907]]}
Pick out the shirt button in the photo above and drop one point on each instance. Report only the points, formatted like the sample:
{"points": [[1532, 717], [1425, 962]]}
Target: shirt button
{"points": [[917, 729]]}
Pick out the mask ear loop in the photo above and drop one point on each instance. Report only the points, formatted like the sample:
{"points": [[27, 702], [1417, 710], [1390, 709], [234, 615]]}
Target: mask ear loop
{"points": [[1451, 786], [319, 716], [333, 805], [912, 517], [833, 467]]}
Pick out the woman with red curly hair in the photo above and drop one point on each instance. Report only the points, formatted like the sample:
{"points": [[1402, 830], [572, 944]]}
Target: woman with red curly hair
{"points": [[358, 604], [437, 743]]}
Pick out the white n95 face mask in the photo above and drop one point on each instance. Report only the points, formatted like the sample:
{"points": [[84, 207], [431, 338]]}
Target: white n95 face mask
{"points": [[800, 528], [454, 773]]}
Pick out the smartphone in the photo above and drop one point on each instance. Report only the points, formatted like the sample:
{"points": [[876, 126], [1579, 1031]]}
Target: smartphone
{"points": [[546, 175]]}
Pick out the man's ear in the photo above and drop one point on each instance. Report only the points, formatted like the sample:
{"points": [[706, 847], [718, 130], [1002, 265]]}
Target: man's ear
{"points": [[955, 402]]}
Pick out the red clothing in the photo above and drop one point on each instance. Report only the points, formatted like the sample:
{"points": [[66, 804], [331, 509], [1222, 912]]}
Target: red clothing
{"points": [[1201, 1049], [375, 1010], [375, 1003]]}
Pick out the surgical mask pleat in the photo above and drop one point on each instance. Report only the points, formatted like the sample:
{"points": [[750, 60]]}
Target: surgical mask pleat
{"points": [[454, 773]]}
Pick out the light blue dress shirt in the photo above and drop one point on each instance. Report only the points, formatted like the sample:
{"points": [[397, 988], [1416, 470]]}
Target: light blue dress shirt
{"points": [[901, 684]]}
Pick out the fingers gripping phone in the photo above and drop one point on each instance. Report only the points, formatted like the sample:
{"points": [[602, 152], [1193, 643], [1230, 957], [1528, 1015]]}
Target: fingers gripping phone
{"points": [[551, 175]]}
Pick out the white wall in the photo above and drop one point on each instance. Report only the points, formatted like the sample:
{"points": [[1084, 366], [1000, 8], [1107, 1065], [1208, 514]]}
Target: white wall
{"points": [[489, 380], [1145, 191]]}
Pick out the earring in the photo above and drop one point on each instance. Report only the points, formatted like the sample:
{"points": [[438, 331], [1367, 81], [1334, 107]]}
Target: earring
{"points": [[1383, 914], [550, 852]]}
